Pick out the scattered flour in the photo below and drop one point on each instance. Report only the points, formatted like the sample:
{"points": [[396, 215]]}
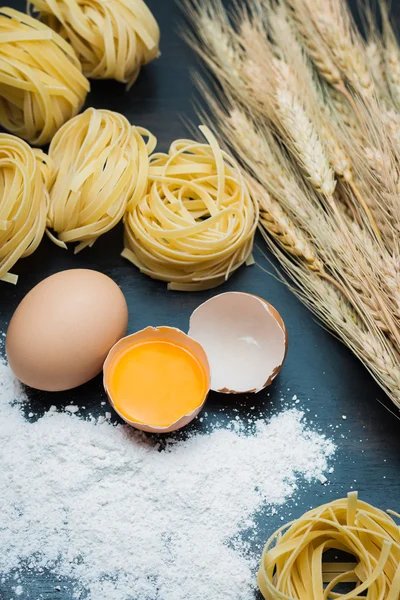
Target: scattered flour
{"points": [[128, 519]]}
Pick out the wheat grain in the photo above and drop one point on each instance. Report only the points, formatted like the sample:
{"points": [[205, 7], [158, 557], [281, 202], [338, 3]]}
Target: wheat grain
{"points": [[261, 154], [392, 62], [375, 179], [264, 158], [386, 266], [383, 177]]}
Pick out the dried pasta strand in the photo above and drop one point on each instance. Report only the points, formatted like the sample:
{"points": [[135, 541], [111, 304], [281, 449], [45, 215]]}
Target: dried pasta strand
{"points": [[41, 80], [112, 39], [292, 566], [197, 222], [25, 175], [102, 164]]}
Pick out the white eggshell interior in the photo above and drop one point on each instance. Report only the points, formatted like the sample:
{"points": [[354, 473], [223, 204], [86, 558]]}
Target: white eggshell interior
{"points": [[244, 342]]}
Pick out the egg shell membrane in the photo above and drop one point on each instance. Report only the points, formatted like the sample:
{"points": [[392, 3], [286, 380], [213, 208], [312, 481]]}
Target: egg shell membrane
{"points": [[166, 334], [244, 338]]}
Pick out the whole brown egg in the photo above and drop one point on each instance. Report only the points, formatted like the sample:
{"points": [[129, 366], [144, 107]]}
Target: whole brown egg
{"points": [[61, 332]]}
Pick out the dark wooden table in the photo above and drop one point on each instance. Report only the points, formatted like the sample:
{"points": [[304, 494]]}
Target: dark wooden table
{"points": [[328, 380]]}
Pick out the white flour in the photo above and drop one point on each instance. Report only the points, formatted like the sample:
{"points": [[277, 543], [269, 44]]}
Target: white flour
{"points": [[107, 507]]}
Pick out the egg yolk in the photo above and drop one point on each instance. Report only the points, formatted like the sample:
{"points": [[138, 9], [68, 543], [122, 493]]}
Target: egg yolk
{"points": [[157, 383]]}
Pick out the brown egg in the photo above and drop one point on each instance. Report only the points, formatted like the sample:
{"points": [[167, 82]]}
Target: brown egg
{"points": [[63, 329]]}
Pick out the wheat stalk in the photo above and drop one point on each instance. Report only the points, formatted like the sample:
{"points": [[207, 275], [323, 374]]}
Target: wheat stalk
{"points": [[326, 197], [279, 92], [259, 157], [333, 308]]}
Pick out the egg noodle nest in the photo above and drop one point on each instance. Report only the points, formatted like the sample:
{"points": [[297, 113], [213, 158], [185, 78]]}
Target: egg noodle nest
{"points": [[112, 39], [41, 80], [101, 163], [25, 177], [292, 566], [196, 224]]}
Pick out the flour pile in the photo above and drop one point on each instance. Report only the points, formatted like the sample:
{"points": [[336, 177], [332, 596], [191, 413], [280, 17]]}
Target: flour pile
{"points": [[128, 520]]}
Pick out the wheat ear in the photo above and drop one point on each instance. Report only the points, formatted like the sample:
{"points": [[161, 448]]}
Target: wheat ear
{"points": [[214, 40], [391, 52], [258, 157], [318, 53], [283, 229], [290, 50], [337, 31], [333, 308], [276, 93], [274, 184]]}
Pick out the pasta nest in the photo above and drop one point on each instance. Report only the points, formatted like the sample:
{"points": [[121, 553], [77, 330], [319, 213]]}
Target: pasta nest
{"points": [[112, 39], [25, 175], [101, 163], [41, 80], [196, 224], [292, 565]]}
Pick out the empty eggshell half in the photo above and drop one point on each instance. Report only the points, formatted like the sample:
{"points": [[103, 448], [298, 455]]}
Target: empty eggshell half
{"points": [[161, 381], [245, 340]]}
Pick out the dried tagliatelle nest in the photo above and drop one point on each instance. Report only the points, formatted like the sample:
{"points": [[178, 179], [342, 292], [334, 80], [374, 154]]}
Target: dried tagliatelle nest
{"points": [[101, 163], [292, 565], [25, 175], [41, 80], [196, 224], [112, 39]]}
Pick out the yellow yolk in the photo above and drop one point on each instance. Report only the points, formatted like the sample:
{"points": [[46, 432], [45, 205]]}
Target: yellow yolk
{"points": [[157, 383]]}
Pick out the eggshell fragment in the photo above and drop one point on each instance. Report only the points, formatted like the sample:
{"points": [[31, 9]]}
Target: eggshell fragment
{"points": [[164, 334], [244, 338]]}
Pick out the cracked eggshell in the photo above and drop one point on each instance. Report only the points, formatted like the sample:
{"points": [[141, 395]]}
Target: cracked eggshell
{"points": [[170, 334], [244, 338]]}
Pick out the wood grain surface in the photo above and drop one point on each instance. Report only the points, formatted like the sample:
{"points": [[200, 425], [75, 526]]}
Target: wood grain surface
{"points": [[328, 380]]}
